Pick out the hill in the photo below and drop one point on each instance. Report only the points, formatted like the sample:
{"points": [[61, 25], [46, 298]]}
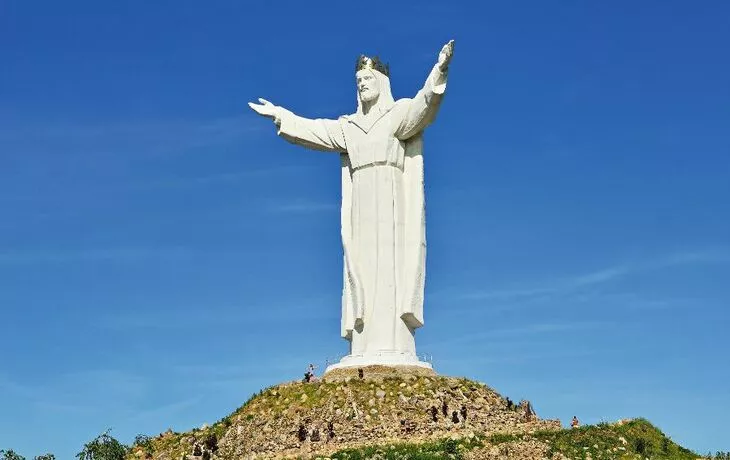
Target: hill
{"points": [[389, 414]]}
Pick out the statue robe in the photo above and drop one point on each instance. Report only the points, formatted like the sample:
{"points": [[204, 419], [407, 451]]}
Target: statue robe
{"points": [[383, 215]]}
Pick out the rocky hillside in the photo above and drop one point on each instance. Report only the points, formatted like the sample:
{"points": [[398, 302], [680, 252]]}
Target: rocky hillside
{"points": [[386, 414]]}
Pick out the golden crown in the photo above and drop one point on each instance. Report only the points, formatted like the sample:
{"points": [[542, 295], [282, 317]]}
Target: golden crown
{"points": [[364, 62]]}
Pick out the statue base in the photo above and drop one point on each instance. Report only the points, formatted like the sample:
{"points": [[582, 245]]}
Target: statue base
{"points": [[406, 362]]}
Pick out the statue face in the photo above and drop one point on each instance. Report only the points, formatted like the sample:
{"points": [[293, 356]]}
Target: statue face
{"points": [[367, 85]]}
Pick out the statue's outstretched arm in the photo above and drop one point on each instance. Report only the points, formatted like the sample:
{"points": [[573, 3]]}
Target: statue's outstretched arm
{"points": [[418, 112], [320, 134]]}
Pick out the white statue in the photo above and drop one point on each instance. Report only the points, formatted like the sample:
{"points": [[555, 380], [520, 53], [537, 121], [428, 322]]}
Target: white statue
{"points": [[383, 217]]}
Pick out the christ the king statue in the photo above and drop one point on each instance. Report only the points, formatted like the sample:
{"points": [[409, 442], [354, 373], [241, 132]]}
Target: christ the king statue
{"points": [[383, 214]]}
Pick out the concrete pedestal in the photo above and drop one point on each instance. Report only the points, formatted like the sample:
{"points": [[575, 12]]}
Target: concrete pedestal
{"points": [[379, 359]]}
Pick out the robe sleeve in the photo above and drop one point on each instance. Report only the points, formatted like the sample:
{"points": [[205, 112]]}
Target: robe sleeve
{"points": [[421, 110], [320, 134]]}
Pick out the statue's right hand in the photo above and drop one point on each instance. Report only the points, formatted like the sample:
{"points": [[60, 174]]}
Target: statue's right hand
{"points": [[265, 108]]}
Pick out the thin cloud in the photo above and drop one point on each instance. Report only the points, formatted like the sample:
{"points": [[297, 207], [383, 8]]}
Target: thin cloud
{"points": [[210, 370], [720, 255], [599, 277], [278, 368], [11, 387], [89, 391], [220, 178], [166, 411], [561, 286], [633, 301], [194, 317], [582, 282], [93, 255], [304, 207], [513, 357], [138, 136], [528, 331]]}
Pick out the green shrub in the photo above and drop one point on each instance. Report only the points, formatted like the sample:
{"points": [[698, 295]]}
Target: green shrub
{"points": [[10, 455], [103, 447]]}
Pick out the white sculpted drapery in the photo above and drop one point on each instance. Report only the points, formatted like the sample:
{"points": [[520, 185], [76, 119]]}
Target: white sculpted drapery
{"points": [[383, 214]]}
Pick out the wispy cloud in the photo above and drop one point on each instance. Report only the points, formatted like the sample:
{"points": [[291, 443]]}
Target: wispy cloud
{"points": [[165, 412], [559, 287], [15, 389], [581, 283], [137, 136], [530, 356], [720, 255], [195, 317], [127, 254], [299, 206], [221, 178], [88, 391], [524, 332]]}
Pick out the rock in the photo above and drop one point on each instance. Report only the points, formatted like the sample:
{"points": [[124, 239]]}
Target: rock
{"points": [[380, 394]]}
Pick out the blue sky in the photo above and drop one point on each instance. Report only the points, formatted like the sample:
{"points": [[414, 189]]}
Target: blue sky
{"points": [[163, 254]]}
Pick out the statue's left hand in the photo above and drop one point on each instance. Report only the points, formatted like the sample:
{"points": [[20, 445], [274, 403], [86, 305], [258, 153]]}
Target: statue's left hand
{"points": [[265, 108], [445, 56]]}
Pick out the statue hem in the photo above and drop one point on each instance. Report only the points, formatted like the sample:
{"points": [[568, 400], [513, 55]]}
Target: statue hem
{"points": [[383, 358]]}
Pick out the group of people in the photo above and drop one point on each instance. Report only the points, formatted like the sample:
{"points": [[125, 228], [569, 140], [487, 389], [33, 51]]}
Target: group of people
{"points": [[433, 411], [303, 433]]}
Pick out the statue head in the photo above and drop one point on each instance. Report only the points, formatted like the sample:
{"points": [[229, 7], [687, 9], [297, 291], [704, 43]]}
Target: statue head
{"points": [[373, 84], [368, 88]]}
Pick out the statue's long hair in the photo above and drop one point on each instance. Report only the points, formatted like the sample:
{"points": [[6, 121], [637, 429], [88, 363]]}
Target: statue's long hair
{"points": [[385, 99]]}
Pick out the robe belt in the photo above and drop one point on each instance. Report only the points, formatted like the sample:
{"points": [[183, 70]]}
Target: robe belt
{"points": [[378, 163]]}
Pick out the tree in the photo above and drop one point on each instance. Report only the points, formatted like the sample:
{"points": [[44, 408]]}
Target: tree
{"points": [[10, 455], [103, 447]]}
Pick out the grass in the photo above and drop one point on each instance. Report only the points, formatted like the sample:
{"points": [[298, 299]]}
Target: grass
{"points": [[640, 438], [637, 439], [436, 450]]}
